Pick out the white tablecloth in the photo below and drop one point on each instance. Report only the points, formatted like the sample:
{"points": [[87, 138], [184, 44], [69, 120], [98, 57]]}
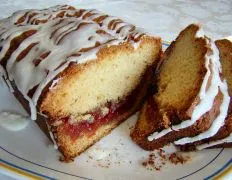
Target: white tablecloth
{"points": [[164, 18], [161, 17]]}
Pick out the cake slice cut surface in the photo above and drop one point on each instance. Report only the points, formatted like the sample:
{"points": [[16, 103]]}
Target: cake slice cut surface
{"points": [[190, 97]]}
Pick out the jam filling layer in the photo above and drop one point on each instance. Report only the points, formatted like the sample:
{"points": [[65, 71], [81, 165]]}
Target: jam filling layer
{"points": [[98, 118]]}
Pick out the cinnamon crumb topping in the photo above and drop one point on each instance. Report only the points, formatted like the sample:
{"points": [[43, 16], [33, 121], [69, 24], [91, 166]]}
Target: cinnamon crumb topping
{"points": [[158, 159]]}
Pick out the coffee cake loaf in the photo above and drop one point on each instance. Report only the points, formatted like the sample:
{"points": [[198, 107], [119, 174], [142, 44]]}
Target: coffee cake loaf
{"points": [[82, 70]]}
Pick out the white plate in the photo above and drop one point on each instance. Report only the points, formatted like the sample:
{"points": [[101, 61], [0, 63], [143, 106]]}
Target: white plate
{"points": [[29, 154]]}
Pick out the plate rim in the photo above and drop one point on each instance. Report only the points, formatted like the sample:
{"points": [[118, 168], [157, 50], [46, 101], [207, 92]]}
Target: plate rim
{"points": [[223, 171]]}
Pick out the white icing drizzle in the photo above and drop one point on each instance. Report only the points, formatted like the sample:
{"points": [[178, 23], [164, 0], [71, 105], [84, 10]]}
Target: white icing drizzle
{"points": [[229, 38], [54, 83], [200, 33], [228, 139], [55, 42], [217, 123], [206, 96], [157, 135], [13, 121]]}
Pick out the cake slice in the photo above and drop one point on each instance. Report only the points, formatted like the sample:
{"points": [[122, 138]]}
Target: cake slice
{"points": [[223, 138], [81, 70], [191, 95]]}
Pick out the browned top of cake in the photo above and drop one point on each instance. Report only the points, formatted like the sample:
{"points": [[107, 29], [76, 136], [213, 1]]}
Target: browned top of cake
{"points": [[36, 45]]}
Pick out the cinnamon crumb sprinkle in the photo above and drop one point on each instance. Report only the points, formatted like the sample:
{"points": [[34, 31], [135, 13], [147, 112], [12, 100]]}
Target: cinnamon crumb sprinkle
{"points": [[158, 159], [162, 153], [175, 158]]}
